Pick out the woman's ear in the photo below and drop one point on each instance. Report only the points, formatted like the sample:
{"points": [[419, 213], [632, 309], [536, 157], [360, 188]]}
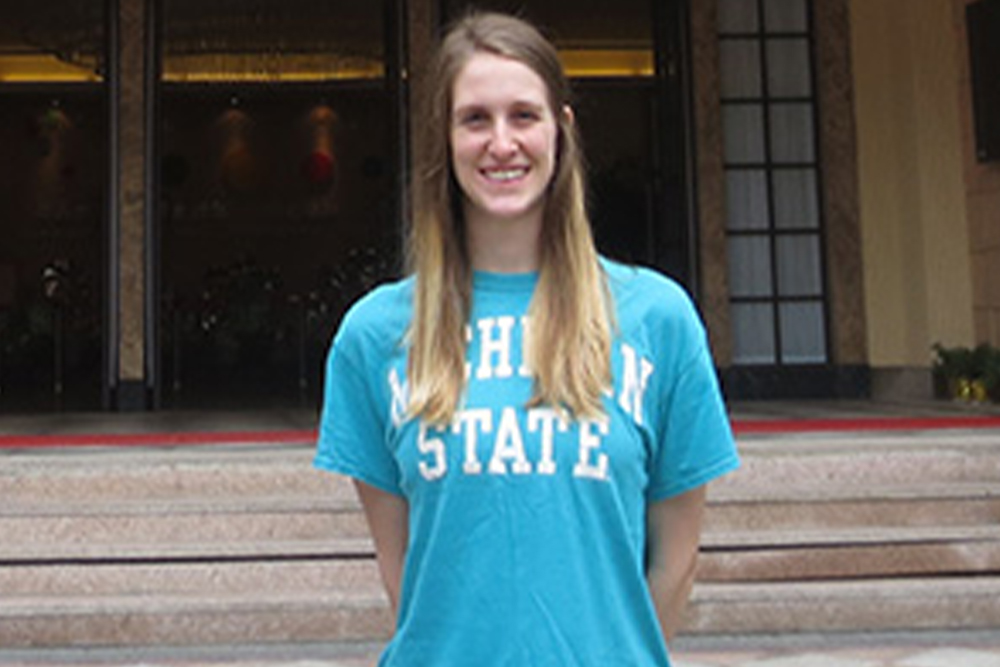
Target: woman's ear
{"points": [[567, 112]]}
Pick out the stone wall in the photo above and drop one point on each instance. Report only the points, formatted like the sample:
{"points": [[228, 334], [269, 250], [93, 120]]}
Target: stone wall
{"points": [[914, 231]]}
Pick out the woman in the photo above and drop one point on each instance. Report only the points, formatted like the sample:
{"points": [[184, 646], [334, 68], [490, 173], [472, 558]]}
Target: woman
{"points": [[530, 427]]}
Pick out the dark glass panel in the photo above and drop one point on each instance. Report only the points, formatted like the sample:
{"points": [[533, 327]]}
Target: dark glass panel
{"points": [[49, 42], [53, 171], [277, 202], [53, 202]]}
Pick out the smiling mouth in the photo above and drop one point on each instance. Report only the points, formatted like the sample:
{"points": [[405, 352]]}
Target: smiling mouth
{"points": [[504, 175]]}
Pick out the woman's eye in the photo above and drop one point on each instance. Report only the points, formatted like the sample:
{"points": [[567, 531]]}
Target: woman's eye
{"points": [[473, 119]]}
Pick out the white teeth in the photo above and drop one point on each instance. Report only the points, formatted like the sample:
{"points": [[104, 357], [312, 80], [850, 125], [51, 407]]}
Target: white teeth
{"points": [[505, 175]]}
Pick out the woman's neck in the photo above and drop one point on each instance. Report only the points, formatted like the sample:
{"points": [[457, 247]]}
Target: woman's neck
{"points": [[504, 245]]}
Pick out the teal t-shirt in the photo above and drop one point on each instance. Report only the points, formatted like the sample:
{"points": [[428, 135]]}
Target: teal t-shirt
{"points": [[527, 534]]}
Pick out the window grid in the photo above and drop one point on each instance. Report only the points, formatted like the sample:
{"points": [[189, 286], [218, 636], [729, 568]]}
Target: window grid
{"points": [[771, 345]]}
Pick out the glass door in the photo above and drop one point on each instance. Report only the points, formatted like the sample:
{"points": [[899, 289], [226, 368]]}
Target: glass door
{"points": [[277, 198], [53, 204]]}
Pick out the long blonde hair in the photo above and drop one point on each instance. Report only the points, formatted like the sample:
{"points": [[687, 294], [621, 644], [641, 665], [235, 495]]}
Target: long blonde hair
{"points": [[569, 340]]}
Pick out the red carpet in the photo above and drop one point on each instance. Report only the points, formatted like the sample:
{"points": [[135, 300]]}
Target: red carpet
{"points": [[158, 439], [761, 426]]}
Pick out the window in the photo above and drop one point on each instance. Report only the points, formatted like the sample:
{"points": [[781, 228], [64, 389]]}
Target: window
{"points": [[773, 221]]}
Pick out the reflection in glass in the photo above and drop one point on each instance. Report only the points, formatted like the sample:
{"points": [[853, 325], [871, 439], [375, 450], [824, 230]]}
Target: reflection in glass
{"points": [[61, 41], [803, 335], [277, 192], [740, 68], [746, 199], [749, 266], [737, 16], [271, 40], [796, 202], [753, 333], [785, 15], [580, 27], [799, 265], [788, 68], [792, 135], [743, 133], [53, 201]]}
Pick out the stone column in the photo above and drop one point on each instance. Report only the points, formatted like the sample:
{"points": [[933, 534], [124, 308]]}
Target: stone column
{"points": [[421, 24], [841, 215], [128, 312], [710, 176]]}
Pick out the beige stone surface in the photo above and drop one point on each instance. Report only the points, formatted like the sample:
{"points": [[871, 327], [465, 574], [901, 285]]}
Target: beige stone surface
{"points": [[918, 288]]}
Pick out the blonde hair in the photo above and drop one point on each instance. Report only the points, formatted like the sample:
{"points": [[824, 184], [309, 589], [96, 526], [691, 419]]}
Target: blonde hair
{"points": [[569, 340]]}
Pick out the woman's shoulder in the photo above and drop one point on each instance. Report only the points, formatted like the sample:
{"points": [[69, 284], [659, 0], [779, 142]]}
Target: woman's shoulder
{"points": [[645, 289], [655, 312], [382, 314]]}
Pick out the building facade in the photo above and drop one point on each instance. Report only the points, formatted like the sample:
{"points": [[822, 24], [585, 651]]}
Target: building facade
{"points": [[192, 193]]}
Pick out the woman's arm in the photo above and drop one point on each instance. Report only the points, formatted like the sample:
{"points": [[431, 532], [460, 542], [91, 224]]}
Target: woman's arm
{"points": [[673, 534], [387, 516]]}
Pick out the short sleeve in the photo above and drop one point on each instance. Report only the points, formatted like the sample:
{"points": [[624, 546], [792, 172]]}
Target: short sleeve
{"points": [[352, 430], [694, 442]]}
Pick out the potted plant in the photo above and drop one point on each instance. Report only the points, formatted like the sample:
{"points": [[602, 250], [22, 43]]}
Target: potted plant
{"points": [[967, 374]]}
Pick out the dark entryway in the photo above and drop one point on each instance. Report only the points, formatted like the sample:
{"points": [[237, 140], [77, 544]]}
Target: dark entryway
{"points": [[281, 171], [278, 197], [54, 176]]}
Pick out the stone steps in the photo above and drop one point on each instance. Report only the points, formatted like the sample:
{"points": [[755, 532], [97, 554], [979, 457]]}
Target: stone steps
{"points": [[358, 612], [228, 524], [119, 528], [209, 618], [866, 605], [233, 544], [848, 554]]}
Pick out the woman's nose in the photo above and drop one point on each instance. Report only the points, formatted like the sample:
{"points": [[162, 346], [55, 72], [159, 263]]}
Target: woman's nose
{"points": [[502, 141]]}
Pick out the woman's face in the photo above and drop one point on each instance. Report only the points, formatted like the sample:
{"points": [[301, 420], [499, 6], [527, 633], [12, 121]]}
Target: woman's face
{"points": [[503, 139]]}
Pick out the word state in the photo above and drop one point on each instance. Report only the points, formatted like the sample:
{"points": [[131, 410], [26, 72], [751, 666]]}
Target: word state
{"points": [[492, 440], [508, 446]]}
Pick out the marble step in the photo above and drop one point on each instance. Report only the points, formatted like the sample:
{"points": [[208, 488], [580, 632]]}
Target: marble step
{"points": [[149, 474], [214, 609], [801, 463], [840, 554], [281, 576], [173, 527], [842, 506], [805, 462], [251, 525], [869, 605], [151, 620], [725, 557], [183, 604]]}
